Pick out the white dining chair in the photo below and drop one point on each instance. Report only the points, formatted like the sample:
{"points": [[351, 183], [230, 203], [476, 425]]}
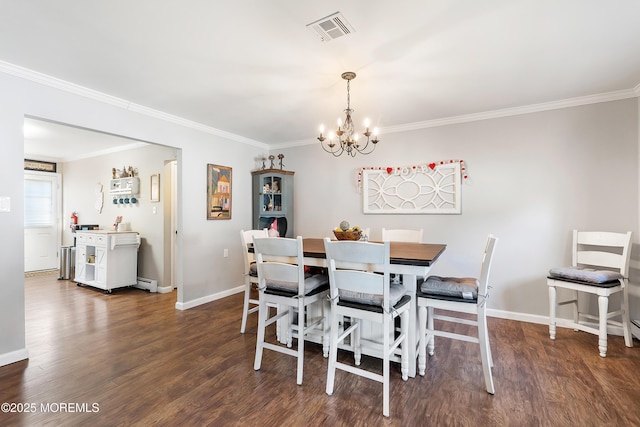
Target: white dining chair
{"points": [[250, 273], [402, 235], [600, 266], [457, 295], [363, 295], [282, 281]]}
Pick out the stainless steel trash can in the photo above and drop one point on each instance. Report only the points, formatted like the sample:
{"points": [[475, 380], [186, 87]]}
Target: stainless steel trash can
{"points": [[67, 263]]}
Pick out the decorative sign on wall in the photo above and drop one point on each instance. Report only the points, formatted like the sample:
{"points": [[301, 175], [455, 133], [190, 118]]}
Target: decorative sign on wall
{"points": [[37, 165], [425, 189]]}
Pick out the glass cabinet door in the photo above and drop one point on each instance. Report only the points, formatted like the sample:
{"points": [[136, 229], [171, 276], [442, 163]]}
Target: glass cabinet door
{"points": [[271, 193]]}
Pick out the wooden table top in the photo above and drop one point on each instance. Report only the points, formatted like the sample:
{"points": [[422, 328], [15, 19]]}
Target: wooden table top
{"points": [[421, 254]]}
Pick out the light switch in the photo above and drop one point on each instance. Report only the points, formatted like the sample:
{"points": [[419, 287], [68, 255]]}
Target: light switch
{"points": [[5, 204]]}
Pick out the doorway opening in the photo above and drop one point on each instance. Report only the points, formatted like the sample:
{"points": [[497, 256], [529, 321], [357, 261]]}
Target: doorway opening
{"points": [[85, 158]]}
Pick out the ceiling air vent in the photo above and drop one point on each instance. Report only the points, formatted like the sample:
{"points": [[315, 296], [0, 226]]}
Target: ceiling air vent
{"points": [[331, 27]]}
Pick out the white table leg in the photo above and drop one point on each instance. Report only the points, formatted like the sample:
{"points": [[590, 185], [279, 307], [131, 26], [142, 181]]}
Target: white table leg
{"points": [[409, 282]]}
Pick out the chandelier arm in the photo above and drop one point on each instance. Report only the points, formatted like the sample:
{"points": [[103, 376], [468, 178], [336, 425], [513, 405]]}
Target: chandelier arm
{"points": [[339, 152]]}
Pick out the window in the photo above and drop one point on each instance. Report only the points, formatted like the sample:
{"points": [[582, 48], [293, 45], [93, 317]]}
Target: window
{"points": [[38, 202]]}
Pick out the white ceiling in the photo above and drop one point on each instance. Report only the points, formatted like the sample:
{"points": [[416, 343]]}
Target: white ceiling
{"points": [[253, 69]]}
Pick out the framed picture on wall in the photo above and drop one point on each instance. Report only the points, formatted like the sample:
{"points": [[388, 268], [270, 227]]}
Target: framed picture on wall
{"points": [[218, 192]]}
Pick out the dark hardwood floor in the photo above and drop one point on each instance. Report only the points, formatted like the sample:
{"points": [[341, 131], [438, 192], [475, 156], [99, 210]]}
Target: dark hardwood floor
{"points": [[141, 362]]}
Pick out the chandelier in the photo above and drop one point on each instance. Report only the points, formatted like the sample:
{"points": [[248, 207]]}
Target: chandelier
{"points": [[345, 138]]}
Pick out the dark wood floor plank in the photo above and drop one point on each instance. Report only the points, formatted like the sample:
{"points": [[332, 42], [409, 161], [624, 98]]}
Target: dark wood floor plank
{"points": [[145, 363]]}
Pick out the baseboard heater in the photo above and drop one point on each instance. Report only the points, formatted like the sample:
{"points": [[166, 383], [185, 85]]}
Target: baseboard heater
{"points": [[149, 284]]}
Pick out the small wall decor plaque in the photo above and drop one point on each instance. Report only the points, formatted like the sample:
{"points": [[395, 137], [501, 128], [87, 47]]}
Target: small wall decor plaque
{"points": [[218, 192]]}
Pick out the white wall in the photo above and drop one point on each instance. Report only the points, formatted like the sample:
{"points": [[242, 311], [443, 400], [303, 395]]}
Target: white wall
{"points": [[535, 177], [203, 271], [79, 180]]}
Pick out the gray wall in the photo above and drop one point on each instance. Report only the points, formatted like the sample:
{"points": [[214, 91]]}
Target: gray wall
{"points": [[535, 177]]}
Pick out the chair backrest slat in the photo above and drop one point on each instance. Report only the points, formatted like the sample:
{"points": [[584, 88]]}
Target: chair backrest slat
{"points": [[600, 259], [359, 281]]}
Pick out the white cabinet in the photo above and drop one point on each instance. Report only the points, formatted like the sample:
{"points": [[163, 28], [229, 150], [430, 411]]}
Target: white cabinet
{"points": [[107, 259]]}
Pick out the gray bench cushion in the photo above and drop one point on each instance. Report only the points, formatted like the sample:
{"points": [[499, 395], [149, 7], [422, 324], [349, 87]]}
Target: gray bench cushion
{"points": [[457, 287], [396, 292], [587, 275], [310, 284]]}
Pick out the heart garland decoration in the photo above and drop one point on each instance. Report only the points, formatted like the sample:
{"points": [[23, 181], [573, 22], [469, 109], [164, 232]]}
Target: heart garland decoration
{"points": [[432, 166]]}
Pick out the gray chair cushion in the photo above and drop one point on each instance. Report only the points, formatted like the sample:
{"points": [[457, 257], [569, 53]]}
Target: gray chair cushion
{"points": [[396, 292], [253, 269], [586, 275], [456, 287], [311, 283]]}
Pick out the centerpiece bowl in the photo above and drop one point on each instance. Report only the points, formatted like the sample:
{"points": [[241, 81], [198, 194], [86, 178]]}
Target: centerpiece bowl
{"points": [[347, 235]]}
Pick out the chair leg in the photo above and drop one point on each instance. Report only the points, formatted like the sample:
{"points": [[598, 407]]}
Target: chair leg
{"points": [[431, 344], [245, 311], [404, 326], [626, 322], [326, 307], [485, 352], [333, 352], [603, 308], [552, 312], [300, 340], [388, 326], [422, 341], [263, 312], [576, 309], [289, 333], [355, 337]]}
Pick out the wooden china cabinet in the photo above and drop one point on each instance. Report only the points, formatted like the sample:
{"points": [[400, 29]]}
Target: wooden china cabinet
{"points": [[272, 200]]}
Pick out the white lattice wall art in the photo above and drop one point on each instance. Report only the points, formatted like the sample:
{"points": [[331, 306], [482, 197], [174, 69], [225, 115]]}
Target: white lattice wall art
{"points": [[421, 190]]}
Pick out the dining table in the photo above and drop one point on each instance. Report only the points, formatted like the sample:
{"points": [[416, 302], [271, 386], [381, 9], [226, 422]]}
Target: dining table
{"points": [[411, 261]]}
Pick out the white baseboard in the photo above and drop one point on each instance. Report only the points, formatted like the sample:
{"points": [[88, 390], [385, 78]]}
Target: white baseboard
{"points": [[502, 314], [560, 322], [13, 356], [209, 298], [165, 289], [522, 317]]}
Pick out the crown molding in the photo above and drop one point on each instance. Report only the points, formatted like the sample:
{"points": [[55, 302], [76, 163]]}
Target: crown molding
{"points": [[75, 89], [507, 112]]}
